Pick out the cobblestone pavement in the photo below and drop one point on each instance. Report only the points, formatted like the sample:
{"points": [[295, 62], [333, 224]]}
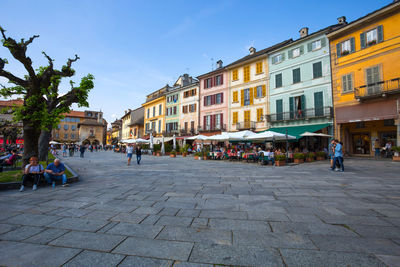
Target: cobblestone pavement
{"points": [[184, 212]]}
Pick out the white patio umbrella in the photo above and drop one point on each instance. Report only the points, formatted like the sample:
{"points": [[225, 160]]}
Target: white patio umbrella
{"points": [[269, 136], [315, 134], [54, 143], [151, 142], [184, 142], [242, 135], [224, 136], [162, 145], [174, 142], [198, 137], [140, 140], [130, 141]]}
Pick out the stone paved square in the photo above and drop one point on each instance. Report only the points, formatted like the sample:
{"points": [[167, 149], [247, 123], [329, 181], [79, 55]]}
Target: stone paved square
{"points": [[186, 212]]}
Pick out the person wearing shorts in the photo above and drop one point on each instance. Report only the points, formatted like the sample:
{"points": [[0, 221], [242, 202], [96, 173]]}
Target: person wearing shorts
{"points": [[129, 153]]}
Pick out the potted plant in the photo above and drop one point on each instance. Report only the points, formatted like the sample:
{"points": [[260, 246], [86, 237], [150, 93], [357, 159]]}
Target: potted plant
{"points": [[321, 155], [280, 160], [345, 52], [396, 150], [172, 154], [371, 42], [184, 150], [158, 153], [197, 155], [204, 154], [154, 153], [298, 158], [310, 156]]}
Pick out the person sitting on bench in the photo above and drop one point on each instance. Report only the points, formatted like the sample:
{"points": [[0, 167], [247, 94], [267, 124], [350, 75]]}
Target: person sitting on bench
{"points": [[10, 161], [33, 171], [56, 171]]}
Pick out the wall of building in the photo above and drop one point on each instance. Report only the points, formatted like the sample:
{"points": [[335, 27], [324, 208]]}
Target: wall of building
{"points": [[189, 117], [159, 119]]}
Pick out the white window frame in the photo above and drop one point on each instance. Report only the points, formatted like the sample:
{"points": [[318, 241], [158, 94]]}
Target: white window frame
{"points": [[296, 52], [371, 34], [316, 45], [259, 91]]}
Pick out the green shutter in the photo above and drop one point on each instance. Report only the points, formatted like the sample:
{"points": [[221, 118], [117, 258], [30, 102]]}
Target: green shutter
{"points": [[344, 83], [273, 60], [291, 107], [283, 56], [303, 102], [352, 45], [323, 42], [301, 49], [380, 34], [317, 70], [309, 47], [318, 104], [362, 40], [279, 110], [338, 50], [290, 53], [278, 80]]}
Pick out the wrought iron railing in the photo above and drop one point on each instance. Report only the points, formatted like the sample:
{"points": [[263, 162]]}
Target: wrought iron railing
{"points": [[377, 89], [210, 128], [311, 113], [245, 125]]}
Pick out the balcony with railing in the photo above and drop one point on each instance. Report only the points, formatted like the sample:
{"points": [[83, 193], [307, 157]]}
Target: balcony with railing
{"points": [[187, 132], [212, 128], [378, 89], [246, 125], [305, 114], [170, 132], [149, 131]]}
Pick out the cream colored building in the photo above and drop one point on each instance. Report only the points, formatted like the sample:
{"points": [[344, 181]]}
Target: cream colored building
{"points": [[189, 108], [132, 123], [92, 130]]}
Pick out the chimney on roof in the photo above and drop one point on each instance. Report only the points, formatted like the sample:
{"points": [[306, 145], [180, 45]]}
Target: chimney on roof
{"points": [[252, 50], [303, 32], [219, 64], [342, 20]]}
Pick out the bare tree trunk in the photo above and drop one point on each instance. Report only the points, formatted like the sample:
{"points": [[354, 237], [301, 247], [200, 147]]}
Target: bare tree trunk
{"points": [[31, 137], [44, 140]]}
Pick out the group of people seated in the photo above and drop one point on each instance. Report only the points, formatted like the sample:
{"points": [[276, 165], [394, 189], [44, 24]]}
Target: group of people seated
{"points": [[9, 159], [34, 172]]}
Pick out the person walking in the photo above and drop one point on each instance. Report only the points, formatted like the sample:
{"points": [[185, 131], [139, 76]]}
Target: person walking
{"points": [[138, 154], [331, 151], [338, 156], [129, 153], [377, 147], [82, 150]]}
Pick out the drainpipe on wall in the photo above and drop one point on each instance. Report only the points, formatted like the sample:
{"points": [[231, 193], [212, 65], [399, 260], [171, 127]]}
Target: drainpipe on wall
{"points": [[333, 105]]}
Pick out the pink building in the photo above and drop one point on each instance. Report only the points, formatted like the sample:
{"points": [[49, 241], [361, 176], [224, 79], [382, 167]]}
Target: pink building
{"points": [[213, 116]]}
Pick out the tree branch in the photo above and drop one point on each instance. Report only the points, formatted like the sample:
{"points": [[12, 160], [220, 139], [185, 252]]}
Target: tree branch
{"points": [[13, 78], [70, 61], [3, 33]]}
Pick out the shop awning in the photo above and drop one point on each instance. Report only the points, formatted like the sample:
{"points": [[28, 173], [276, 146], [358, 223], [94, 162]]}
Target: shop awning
{"points": [[297, 131]]}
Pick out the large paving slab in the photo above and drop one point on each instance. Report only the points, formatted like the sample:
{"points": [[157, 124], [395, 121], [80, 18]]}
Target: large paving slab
{"points": [[183, 212]]}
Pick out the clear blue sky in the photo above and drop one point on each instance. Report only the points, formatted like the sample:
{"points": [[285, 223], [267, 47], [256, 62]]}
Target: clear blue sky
{"points": [[135, 47]]}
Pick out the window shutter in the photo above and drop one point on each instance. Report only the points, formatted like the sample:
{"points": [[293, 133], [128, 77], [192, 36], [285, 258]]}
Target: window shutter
{"points": [[264, 90], [290, 53], [362, 40], [323, 42], [195, 107], [279, 107], [222, 120], [222, 78], [222, 98], [205, 101], [380, 33], [273, 60], [205, 83], [291, 107], [344, 84], [318, 100], [242, 97], [213, 97], [204, 122], [338, 53], [251, 91], [303, 102], [309, 47], [352, 45], [283, 56], [301, 50]]}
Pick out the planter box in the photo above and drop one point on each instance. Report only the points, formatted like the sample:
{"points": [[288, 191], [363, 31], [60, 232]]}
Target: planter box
{"points": [[320, 158], [172, 156], [396, 158], [298, 161], [309, 159], [154, 153], [158, 154], [204, 157], [196, 157], [183, 154], [280, 163]]}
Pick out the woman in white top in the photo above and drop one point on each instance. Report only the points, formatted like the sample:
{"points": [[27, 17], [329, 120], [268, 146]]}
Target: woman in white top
{"points": [[33, 171], [129, 153]]}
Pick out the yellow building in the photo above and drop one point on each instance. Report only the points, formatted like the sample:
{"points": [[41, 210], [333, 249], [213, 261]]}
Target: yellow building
{"points": [[248, 95], [116, 131], [154, 112], [365, 59], [67, 130]]}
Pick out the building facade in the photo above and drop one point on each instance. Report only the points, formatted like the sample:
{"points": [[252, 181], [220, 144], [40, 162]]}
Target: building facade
{"points": [[67, 130], [154, 112], [92, 130], [248, 97], [213, 101], [189, 110], [116, 131], [366, 80], [172, 108], [300, 85], [132, 124], [7, 121]]}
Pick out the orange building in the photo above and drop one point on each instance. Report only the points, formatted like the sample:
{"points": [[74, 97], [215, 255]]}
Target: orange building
{"points": [[365, 60]]}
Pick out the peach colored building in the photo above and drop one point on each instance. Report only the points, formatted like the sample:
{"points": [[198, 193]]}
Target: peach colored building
{"points": [[213, 115]]}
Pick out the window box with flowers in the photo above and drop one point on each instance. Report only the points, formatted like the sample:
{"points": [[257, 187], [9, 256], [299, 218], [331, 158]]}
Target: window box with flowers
{"points": [[344, 53], [280, 160]]}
